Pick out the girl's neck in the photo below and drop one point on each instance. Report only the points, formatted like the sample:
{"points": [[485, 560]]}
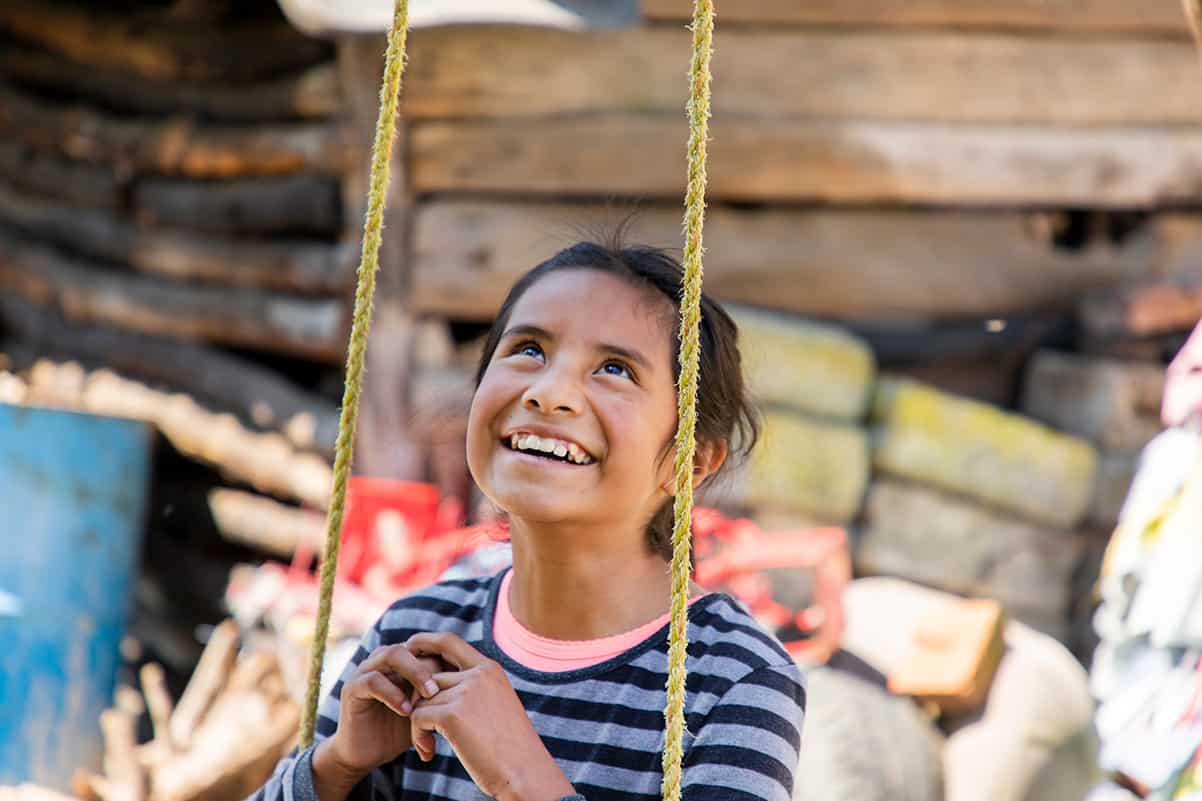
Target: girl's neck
{"points": [[576, 585]]}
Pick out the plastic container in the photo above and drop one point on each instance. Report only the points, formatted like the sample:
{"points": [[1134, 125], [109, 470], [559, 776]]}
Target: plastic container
{"points": [[73, 491], [385, 520]]}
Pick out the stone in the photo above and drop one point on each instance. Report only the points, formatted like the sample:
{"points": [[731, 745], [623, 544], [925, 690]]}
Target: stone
{"points": [[812, 367], [971, 448], [953, 544], [805, 466], [1113, 404]]}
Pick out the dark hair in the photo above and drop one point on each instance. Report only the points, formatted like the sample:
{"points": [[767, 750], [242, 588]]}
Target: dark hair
{"points": [[724, 411]]}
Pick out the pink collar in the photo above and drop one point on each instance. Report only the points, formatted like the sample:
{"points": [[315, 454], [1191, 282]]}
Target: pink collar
{"points": [[552, 656]]}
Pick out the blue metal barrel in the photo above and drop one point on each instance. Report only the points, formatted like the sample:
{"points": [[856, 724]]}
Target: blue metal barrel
{"points": [[73, 490]]}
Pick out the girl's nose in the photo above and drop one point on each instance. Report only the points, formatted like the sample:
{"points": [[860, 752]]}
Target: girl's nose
{"points": [[552, 393]]}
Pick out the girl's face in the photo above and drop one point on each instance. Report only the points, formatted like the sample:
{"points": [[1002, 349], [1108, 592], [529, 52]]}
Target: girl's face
{"points": [[573, 413]]}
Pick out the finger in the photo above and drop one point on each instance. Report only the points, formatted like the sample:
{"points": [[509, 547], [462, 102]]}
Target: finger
{"points": [[378, 687], [450, 647], [423, 741], [401, 664]]}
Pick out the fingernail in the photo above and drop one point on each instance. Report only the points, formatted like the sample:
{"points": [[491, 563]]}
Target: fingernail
{"points": [[407, 708], [431, 688]]}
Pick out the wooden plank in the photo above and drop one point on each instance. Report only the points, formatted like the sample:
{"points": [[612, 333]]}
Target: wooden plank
{"points": [[904, 263], [211, 674], [150, 44], [1162, 16], [176, 146], [311, 93], [484, 72], [853, 161], [296, 266], [264, 524], [295, 204], [84, 293]]}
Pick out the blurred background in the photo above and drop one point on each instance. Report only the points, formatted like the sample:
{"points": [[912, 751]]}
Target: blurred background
{"points": [[963, 242]]}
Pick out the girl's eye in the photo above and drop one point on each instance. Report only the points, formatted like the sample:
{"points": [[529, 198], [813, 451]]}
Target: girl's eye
{"points": [[528, 349], [616, 368]]}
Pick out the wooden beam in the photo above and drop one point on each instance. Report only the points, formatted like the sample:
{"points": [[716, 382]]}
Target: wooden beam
{"points": [[297, 204], [51, 176], [152, 45], [311, 93], [903, 264], [83, 293], [252, 392], [174, 146], [930, 76], [853, 161], [264, 524], [295, 266], [1159, 16]]}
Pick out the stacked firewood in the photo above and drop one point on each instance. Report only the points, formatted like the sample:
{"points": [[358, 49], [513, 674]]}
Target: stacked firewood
{"points": [[230, 727]]}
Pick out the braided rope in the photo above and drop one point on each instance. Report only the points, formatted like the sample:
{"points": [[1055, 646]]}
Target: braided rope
{"points": [[690, 367], [1193, 13], [394, 67]]}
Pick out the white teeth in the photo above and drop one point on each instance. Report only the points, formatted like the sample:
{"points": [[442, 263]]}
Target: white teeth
{"points": [[562, 449]]}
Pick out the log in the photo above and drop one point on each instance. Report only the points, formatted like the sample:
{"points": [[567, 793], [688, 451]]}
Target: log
{"points": [[1155, 16], [154, 46], [295, 266], [301, 204], [126, 781], [173, 146], [212, 673], [83, 293], [158, 701], [47, 175], [851, 161], [905, 264], [928, 76], [264, 524], [253, 392], [1144, 309], [311, 93]]}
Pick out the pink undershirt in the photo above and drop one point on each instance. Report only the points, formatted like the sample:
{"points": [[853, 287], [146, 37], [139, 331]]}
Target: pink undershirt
{"points": [[553, 656]]}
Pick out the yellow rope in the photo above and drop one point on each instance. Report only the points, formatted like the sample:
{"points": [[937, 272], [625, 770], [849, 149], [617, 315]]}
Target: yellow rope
{"points": [[690, 349], [394, 66], [690, 311], [1193, 12]]}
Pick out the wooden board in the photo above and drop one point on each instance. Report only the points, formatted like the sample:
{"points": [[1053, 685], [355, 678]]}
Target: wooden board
{"points": [[903, 264], [1083, 15], [298, 266], [86, 292], [178, 146], [51, 176], [938, 76], [854, 161]]}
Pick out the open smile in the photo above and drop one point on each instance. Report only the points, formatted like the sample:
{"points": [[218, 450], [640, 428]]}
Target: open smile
{"points": [[549, 448]]}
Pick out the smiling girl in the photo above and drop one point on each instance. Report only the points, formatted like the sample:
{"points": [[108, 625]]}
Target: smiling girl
{"points": [[546, 681]]}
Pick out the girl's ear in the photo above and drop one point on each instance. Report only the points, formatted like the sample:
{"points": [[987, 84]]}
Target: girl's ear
{"points": [[707, 458]]}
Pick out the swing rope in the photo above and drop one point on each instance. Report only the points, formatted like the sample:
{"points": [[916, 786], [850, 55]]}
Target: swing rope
{"points": [[690, 315], [1193, 13], [690, 367], [394, 66]]}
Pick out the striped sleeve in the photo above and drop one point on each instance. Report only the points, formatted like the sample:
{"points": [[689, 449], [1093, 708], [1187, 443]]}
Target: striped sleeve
{"points": [[748, 747], [292, 779]]}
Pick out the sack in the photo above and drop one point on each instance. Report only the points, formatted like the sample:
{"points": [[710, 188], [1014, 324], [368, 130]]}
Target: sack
{"points": [[955, 653]]}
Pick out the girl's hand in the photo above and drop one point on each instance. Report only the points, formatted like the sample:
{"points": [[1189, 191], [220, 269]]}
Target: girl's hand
{"points": [[480, 715], [374, 709]]}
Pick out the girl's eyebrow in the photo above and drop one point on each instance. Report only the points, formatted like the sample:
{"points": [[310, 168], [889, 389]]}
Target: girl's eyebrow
{"points": [[527, 330]]}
